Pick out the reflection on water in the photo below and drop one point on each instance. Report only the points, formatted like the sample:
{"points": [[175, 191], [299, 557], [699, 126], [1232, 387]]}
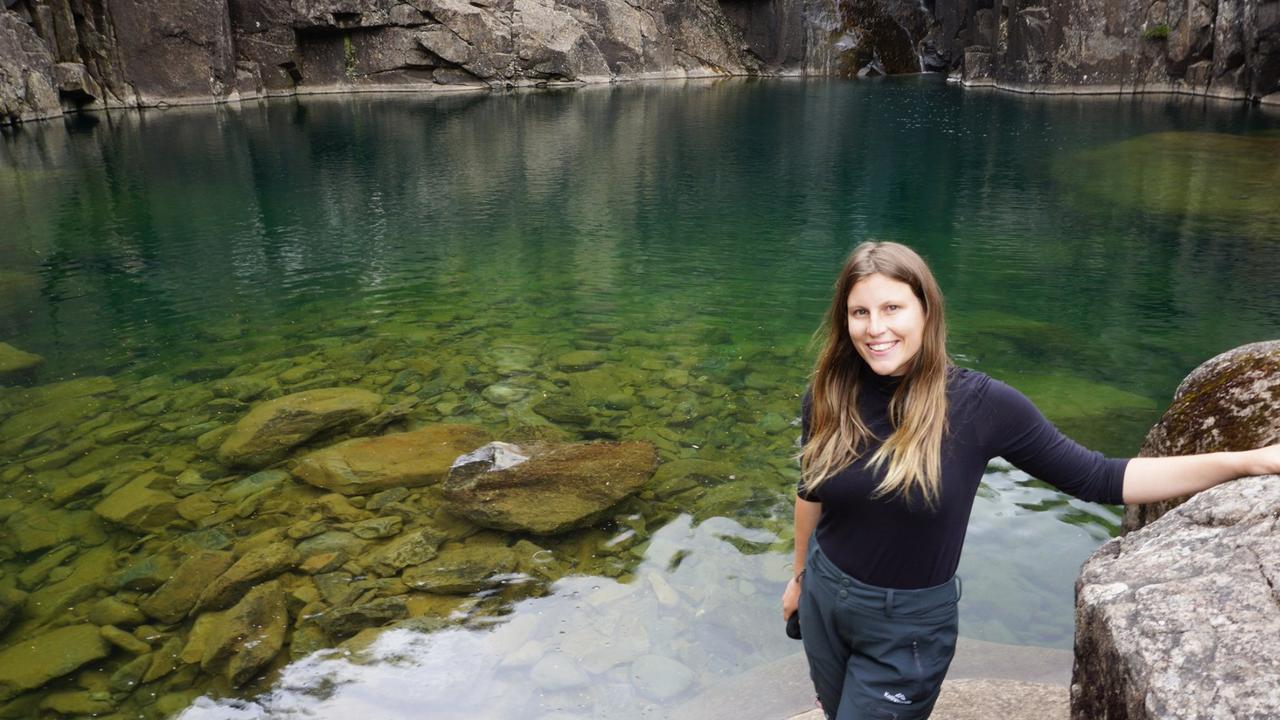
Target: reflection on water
{"points": [[458, 256]]}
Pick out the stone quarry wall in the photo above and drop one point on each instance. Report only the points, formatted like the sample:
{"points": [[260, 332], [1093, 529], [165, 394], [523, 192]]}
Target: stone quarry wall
{"points": [[1216, 48], [1178, 617], [58, 55]]}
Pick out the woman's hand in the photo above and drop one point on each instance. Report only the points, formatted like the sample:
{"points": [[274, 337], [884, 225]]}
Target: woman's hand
{"points": [[790, 598], [1266, 460]]}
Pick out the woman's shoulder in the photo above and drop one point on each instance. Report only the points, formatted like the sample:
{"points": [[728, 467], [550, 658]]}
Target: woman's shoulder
{"points": [[964, 382]]}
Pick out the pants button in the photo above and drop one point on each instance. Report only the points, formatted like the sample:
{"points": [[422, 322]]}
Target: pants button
{"points": [[844, 593], [845, 582]]}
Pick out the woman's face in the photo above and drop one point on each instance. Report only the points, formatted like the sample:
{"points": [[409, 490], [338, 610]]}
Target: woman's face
{"points": [[886, 323]]}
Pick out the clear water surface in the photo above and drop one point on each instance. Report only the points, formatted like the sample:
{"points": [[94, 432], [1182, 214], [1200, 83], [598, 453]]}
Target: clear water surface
{"points": [[449, 250]]}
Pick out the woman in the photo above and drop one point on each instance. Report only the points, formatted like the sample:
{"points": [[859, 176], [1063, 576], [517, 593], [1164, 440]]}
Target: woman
{"points": [[896, 440]]}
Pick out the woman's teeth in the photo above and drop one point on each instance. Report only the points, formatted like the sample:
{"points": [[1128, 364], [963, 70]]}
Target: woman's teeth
{"points": [[880, 347]]}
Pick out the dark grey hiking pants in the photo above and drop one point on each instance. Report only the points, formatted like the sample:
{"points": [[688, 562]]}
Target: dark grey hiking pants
{"points": [[875, 653]]}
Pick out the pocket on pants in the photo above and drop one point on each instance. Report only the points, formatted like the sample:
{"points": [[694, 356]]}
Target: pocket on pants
{"points": [[930, 657]]}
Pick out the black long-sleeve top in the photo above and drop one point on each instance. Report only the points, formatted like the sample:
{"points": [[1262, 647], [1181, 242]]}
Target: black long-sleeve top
{"points": [[894, 542]]}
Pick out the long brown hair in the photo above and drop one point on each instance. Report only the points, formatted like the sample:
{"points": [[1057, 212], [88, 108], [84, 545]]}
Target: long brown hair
{"points": [[918, 410]]}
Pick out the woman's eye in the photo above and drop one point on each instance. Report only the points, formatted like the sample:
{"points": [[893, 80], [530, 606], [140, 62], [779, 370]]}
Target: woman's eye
{"points": [[891, 308]]}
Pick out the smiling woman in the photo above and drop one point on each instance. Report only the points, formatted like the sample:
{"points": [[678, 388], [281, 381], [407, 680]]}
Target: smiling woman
{"points": [[896, 440], [886, 323]]}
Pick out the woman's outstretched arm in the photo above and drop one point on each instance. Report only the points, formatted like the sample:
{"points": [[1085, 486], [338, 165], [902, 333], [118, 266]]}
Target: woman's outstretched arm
{"points": [[807, 513], [1148, 480]]}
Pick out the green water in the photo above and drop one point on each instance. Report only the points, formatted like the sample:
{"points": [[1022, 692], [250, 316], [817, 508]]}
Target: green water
{"points": [[448, 251]]}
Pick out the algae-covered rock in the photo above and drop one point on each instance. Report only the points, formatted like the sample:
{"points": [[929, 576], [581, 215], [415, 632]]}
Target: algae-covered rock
{"points": [[462, 570], [1230, 402], [138, 506], [30, 663], [114, 611], [563, 408], [578, 360], [271, 429], [412, 548], [11, 600], [245, 638], [67, 404], [345, 621], [368, 465], [17, 365], [558, 488], [256, 566], [680, 476], [172, 600], [40, 526]]}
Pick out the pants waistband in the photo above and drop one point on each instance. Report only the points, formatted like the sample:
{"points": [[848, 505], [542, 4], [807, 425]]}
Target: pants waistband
{"points": [[890, 599]]}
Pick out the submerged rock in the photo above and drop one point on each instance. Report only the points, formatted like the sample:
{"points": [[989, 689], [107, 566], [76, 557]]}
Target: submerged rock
{"points": [[138, 506], [1178, 618], [174, 599], [462, 570], [31, 663], [270, 430], [411, 548], [368, 465], [256, 566], [245, 638], [17, 365], [558, 488]]}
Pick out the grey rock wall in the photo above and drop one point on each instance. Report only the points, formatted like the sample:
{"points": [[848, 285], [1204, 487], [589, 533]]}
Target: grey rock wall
{"points": [[65, 54], [1217, 48], [1178, 619], [61, 54]]}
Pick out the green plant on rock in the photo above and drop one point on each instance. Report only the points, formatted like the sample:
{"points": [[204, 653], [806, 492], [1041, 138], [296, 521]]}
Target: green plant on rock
{"points": [[1156, 32], [349, 57]]}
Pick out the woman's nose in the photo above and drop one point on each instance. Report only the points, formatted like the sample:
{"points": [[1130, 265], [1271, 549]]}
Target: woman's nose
{"points": [[875, 325]]}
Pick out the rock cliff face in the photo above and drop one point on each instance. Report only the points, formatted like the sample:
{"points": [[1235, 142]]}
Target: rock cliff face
{"points": [[1218, 48], [1177, 619], [64, 54]]}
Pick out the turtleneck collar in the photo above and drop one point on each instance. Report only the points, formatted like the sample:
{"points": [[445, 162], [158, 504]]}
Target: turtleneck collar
{"points": [[881, 384]]}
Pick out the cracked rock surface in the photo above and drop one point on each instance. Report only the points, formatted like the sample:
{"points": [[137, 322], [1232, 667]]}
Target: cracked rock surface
{"points": [[1178, 619]]}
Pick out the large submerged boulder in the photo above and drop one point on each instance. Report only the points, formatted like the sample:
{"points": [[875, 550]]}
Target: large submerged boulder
{"points": [[368, 465], [31, 663], [558, 488], [1178, 619], [270, 430]]}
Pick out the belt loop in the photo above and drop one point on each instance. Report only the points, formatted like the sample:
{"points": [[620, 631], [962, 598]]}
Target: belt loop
{"points": [[959, 589], [888, 604]]}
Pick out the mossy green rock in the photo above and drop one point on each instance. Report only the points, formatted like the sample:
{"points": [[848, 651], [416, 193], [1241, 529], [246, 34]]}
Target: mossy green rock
{"points": [[11, 600], [461, 570], [39, 527], [17, 364], [367, 465], [28, 664], [172, 600], [138, 506], [245, 638], [1231, 402], [680, 476], [564, 409], [256, 566], [271, 429], [412, 548], [559, 488], [580, 360]]}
